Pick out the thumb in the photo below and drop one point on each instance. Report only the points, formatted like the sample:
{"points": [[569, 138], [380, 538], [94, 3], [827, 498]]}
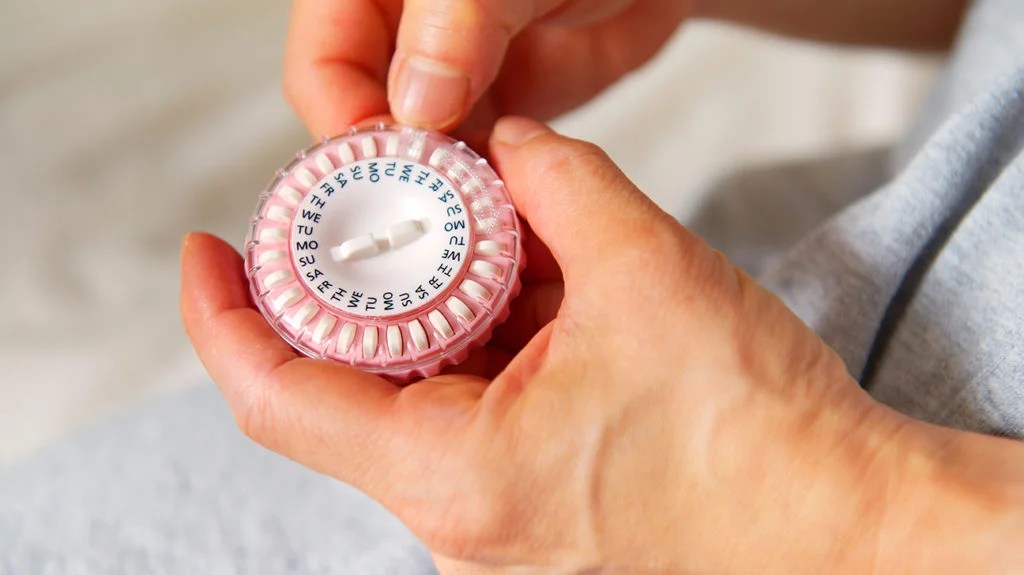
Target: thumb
{"points": [[576, 199], [448, 53]]}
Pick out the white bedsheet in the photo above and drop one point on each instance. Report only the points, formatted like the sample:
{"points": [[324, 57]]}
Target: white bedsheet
{"points": [[124, 124]]}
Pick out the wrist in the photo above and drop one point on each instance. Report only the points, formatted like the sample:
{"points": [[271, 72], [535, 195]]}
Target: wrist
{"points": [[958, 505]]}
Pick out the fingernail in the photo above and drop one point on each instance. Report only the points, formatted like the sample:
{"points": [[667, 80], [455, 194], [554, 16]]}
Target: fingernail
{"points": [[430, 94], [516, 131]]}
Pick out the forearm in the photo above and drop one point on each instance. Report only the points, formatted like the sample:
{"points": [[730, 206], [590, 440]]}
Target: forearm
{"points": [[913, 24]]}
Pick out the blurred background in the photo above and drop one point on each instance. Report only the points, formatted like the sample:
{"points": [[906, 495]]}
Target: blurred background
{"points": [[125, 124]]}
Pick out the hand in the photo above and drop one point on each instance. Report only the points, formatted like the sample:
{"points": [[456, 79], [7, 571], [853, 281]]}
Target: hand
{"points": [[440, 58], [656, 412]]}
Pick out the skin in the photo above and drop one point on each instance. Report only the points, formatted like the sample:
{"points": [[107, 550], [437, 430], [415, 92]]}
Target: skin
{"points": [[706, 430], [661, 412], [537, 58]]}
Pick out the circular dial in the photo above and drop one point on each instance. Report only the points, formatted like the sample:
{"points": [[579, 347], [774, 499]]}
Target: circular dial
{"points": [[392, 249], [376, 240]]}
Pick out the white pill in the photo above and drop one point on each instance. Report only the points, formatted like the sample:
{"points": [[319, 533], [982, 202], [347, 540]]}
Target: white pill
{"points": [[471, 187], [271, 256], [280, 214], [287, 298], [345, 337], [323, 327], [277, 278], [369, 342], [324, 163], [394, 340], [437, 157], [273, 235], [415, 148], [355, 248], [485, 269], [475, 290], [440, 324], [456, 171], [419, 337], [482, 203], [300, 318], [391, 147], [460, 309], [305, 177], [369, 147], [289, 194], [404, 233], [487, 225], [488, 248], [345, 153]]}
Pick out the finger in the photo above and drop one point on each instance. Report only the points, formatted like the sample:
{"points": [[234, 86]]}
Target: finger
{"points": [[215, 304], [576, 200], [448, 53], [483, 363], [321, 414], [536, 306], [540, 264], [336, 61], [582, 12], [533, 83]]}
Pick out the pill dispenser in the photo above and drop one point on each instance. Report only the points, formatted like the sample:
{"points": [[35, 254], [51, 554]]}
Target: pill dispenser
{"points": [[392, 249]]}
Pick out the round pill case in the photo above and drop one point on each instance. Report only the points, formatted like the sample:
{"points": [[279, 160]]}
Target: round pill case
{"points": [[391, 249]]}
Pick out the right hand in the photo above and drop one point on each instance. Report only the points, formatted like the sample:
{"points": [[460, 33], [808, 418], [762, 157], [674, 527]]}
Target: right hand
{"points": [[662, 413], [440, 64]]}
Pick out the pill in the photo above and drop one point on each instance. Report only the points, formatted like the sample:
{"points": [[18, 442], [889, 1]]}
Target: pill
{"points": [[369, 147], [345, 153], [271, 256], [471, 187], [323, 327], [475, 290], [440, 324], [273, 235], [345, 337], [485, 269], [369, 342], [391, 147], [394, 340], [305, 177], [488, 248], [289, 194], [437, 157], [487, 225], [280, 214], [482, 203], [324, 163], [419, 337], [301, 317], [287, 298], [460, 309], [277, 278]]}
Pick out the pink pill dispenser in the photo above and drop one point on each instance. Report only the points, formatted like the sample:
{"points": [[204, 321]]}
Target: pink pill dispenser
{"points": [[392, 249]]}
